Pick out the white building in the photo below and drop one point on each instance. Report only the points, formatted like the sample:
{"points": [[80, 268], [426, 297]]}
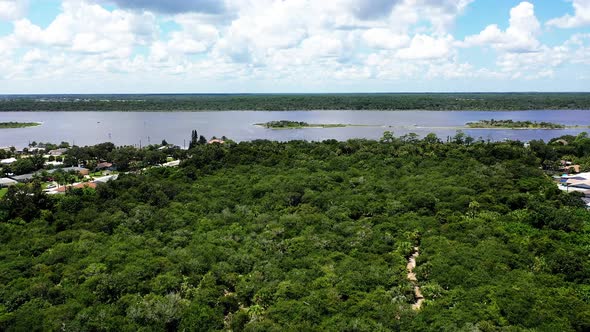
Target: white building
{"points": [[6, 182], [7, 161], [576, 182]]}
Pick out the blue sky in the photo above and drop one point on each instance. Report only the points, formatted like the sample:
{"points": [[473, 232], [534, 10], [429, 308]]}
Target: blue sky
{"points": [[200, 46]]}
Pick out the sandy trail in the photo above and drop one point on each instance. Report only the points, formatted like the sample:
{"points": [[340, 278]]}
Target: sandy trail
{"points": [[412, 277]]}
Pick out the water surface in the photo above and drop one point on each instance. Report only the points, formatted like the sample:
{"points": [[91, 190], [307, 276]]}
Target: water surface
{"points": [[135, 128]]}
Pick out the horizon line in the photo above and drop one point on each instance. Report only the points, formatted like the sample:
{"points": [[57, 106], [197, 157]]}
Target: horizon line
{"points": [[285, 93]]}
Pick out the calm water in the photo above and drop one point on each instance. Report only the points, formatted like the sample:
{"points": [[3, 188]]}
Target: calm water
{"points": [[131, 128]]}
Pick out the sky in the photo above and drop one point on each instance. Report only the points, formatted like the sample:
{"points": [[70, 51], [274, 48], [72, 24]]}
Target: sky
{"points": [[293, 46]]}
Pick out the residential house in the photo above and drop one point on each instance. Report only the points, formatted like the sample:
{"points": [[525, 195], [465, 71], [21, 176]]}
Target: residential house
{"points": [[106, 179], [79, 170], [173, 163], [561, 141], [23, 178], [76, 186], [57, 152], [54, 163], [579, 182], [169, 146], [6, 182], [104, 166], [7, 161]]}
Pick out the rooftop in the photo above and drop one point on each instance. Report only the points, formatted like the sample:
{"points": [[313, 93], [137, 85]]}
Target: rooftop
{"points": [[77, 186], [7, 181], [23, 177], [67, 169]]}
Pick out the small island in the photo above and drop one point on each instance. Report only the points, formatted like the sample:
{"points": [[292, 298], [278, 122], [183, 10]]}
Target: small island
{"points": [[510, 124], [286, 124], [10, 125]]}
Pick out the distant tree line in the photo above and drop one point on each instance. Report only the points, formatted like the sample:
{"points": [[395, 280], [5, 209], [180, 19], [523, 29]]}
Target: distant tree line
{"points": [[442, 101]]}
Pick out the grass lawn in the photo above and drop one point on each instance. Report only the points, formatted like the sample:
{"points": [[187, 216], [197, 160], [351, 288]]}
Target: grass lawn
{"points": [[3, 192]]}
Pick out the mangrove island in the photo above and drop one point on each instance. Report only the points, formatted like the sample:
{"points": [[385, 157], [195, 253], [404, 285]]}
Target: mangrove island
{"points": [[510, 124], [11, 125], [286, 124]]}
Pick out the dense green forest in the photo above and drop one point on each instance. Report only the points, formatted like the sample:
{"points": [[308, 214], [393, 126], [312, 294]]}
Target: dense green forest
{"points": [[279, 102], [307, 236]]}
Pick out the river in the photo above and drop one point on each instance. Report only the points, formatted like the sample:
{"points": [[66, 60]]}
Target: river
{"points": [[135, 128]]}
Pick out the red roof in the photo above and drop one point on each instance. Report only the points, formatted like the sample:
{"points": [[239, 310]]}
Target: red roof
{"points": [[78, 186], [104, 165]]}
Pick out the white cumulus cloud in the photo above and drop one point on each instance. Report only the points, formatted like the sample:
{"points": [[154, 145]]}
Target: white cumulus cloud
{"points": [[89, 28], [280, 43], [580, 18], [424, 47], [519, 37], [12, 9], [385, 38]]}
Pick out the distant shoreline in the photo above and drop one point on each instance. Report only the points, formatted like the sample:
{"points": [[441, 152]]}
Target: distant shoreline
{"points": [[299, 102], [292, 110]]}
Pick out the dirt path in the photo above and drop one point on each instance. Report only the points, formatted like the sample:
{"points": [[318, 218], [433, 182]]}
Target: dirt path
{"points": [[412, 277]]}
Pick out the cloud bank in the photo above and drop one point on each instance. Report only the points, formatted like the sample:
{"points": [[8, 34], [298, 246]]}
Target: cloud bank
{"points": [[284, 45]]}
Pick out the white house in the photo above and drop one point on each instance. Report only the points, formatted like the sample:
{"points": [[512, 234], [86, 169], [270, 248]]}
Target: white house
{"points": [[7, 161], [6, 182], [57, 152], [577, 182]]}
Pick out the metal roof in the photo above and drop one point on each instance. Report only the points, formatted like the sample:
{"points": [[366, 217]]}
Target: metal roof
{"points": [[7, 181]]}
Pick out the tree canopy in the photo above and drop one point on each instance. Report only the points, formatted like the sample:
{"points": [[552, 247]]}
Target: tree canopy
{"points": [[309, 236], [278, 102]]}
